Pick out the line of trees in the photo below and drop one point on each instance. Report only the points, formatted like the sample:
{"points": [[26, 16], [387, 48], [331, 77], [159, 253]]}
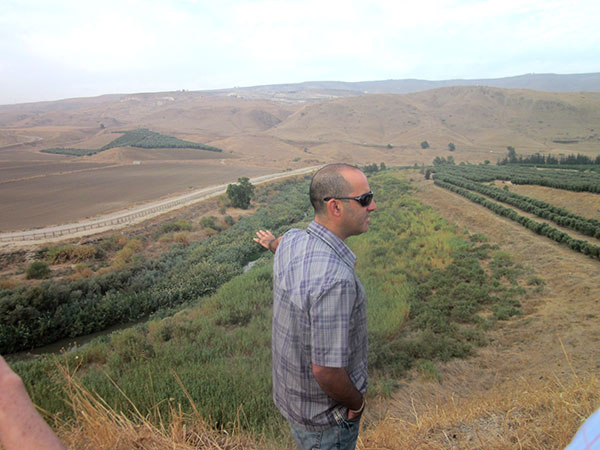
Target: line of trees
{"points": [[562, 217], [559, 179], [540, 228], [549, 160]]}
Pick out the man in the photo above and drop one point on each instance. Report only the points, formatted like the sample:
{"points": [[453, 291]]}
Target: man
{"points": [[21, 427], [319, 314]]}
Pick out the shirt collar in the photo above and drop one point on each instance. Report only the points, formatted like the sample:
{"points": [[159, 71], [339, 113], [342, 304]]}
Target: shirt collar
{"points": [[333, 241]]}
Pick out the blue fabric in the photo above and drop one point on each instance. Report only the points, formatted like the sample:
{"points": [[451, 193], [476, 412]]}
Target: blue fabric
{"points": [[588, 436], [319, 316], [338, 437]]}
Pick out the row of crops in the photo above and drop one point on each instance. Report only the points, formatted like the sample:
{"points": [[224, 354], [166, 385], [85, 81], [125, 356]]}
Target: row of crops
{"points": [[571, 180], [467, 180]]}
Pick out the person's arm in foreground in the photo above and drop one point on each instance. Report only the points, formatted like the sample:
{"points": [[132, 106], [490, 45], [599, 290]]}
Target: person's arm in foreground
{"points": [[21, 427], [267, 240], [336, 383]]}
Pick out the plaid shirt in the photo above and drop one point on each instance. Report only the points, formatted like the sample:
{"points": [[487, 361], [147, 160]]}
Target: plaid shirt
{"points": [[319, 316]]}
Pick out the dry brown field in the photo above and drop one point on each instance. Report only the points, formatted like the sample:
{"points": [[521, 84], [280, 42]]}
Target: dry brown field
{"points": [[59, 198], [17, 171]]}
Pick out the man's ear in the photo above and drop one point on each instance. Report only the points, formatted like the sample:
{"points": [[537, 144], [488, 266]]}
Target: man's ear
{"points": [[334, 207]]}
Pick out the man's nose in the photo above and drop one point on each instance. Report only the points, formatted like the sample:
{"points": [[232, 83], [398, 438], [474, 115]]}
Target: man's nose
{"points": [[372, 206]]}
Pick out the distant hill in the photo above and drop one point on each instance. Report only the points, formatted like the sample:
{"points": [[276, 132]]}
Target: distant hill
{"points": [[472, 117], [311, 123], [589, 82]]}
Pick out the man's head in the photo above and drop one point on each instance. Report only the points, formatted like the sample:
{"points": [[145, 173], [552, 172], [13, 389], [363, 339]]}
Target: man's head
{"points": [[342, 213]]}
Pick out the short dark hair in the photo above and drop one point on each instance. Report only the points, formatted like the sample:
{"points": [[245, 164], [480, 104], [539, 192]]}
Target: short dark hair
{"points": [[329, 182]]}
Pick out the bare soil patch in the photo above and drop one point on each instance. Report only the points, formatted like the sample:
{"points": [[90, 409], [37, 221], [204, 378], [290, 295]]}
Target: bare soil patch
{"points": [[62, 198], [19, 171]]}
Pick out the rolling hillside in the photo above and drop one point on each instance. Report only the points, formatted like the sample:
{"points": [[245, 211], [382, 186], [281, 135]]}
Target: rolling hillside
{"points": [[262, 132], [472, 117]]}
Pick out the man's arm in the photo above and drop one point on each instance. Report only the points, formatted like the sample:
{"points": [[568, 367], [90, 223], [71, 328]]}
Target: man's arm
{"points": [[267, 240], [336, 383], [21, 427]]}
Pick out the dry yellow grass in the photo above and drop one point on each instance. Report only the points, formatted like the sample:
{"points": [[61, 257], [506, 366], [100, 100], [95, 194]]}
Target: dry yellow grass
{"points": [[517, 415], [521, 414]]}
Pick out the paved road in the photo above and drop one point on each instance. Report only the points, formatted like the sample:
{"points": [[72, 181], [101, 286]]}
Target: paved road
{"points": [[132, 215]]}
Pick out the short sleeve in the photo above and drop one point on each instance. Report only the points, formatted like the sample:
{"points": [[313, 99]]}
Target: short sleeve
{"points": [[330, 323]]}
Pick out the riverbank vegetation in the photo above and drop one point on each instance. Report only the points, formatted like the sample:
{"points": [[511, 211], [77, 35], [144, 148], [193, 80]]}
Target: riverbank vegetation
{"points": [[433, 292], [133, 286]]}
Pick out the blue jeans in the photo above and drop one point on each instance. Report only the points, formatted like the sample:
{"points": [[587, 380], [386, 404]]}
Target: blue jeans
{"points": [[339, 437]]}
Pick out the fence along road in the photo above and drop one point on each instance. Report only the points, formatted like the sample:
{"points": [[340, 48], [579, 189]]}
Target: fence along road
{"points": [[135, 215]]}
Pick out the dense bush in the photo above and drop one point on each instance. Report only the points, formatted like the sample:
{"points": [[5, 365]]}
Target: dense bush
{"points": [[37, 270], [69, 253], [178, 225]]}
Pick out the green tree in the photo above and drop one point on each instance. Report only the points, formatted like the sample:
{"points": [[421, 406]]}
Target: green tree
{"points": [[424, 145], [451, 147], [512, 153], [240, 194]]}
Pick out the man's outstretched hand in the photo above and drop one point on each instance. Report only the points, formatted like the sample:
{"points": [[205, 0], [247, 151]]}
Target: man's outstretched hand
{"points": [[267, 240]]}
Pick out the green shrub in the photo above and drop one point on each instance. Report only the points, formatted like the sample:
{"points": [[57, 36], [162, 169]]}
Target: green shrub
{"points": [[37, 270], [179, 225], [429, 371], [209, 222], [70, 253]]}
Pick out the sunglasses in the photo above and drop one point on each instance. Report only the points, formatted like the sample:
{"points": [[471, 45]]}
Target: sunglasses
{"points": [[364, 200]]}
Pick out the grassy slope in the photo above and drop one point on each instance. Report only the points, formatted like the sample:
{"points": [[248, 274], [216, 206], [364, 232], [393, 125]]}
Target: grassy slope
{"points": [[220, 352]]}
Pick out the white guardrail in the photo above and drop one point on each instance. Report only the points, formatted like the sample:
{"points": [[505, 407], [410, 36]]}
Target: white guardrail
{"points": [[136, 214]]}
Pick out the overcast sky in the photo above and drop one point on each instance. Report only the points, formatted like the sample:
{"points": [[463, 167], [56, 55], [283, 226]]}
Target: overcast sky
{"points": [[73, 48]]}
